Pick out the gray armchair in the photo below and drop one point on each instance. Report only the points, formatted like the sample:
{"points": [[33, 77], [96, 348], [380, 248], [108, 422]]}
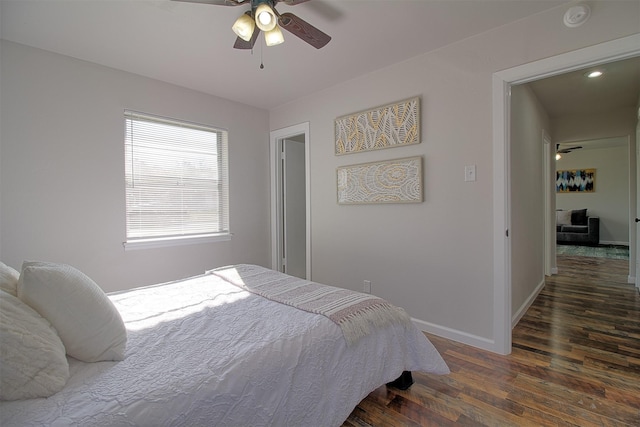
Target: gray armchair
{"points": [[583, 229]]}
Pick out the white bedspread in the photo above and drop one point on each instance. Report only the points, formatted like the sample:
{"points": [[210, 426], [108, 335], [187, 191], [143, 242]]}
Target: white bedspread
{"points": [[203, 352]]}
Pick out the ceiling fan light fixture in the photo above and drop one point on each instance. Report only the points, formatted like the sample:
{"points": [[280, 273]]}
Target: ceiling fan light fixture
{"points": [[265, 17], [558, 156], [244, 26], [274, 37]]}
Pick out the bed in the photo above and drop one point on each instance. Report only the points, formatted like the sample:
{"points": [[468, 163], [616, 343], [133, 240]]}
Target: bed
{"points": [[240, 345]]}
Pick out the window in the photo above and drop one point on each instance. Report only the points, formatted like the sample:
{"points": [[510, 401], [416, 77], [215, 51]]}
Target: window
{"points": [[176, 177]]}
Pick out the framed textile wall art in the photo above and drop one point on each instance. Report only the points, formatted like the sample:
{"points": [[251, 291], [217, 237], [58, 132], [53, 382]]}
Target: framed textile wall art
{"points": [[576, 181], [390, 181], [388, 126]]}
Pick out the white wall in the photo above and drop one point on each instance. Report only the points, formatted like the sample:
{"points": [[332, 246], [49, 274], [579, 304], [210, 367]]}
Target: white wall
{"points": [[528, 120], [610, 201], [62, 169], [434, 258]]}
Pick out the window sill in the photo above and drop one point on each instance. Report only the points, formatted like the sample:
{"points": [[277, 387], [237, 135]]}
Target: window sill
{"points": [[174, 241]]}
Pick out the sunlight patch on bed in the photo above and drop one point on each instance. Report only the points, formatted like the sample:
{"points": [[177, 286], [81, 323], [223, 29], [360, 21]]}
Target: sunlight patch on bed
{"points": [[148, 307]]}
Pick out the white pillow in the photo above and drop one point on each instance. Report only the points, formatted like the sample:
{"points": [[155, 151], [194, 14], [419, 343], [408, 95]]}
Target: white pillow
{"points": [[8, 279], [563, 217], [32, 358], [88, 323]]}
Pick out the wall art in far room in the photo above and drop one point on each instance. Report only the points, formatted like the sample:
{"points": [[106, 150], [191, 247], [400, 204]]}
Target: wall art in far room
{"points": [[576, 181]]}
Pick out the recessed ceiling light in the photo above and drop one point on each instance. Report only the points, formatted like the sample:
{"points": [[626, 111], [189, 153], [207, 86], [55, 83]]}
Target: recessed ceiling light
{"points": [[593, 74]]}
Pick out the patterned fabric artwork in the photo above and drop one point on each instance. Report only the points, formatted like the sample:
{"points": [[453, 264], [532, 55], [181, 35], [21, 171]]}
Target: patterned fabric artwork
{"points": [[391, 181], [384, 127], [580, 181]]}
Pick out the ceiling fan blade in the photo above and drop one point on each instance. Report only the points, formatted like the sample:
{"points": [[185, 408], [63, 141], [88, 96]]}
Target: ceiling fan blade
{"points": [[291, 2], [569, 149], [217, 2], [300, 28], [243, 44]]}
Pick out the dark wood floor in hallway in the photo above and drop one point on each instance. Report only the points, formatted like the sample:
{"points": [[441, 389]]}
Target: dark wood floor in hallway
{"points": [[575, 362]]}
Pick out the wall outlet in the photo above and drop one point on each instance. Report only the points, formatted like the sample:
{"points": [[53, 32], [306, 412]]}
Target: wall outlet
{"points": [[366, 286], [470, 173]]}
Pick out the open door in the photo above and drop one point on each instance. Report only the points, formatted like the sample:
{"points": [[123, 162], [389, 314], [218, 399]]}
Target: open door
{"points": [[290, 201], [293, 235], [502, 81]]}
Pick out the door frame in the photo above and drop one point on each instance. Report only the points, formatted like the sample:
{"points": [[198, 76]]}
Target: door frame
{"points": [[623, 48], [549, 168], [275, 138], [634, 219]]}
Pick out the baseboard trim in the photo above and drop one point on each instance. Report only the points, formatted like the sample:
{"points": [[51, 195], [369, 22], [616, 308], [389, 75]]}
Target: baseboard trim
{"points": [[455, 335], [554, 270], [631, 280], [525, 306]]}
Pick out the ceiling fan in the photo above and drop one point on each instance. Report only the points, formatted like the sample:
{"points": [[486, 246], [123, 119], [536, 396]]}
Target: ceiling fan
{"points": [[567, 150], [263, 16], [559, 151]]}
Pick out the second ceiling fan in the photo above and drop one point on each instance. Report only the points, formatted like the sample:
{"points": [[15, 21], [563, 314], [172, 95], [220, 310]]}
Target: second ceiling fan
{"points": [[263, 16], [567, 149]]}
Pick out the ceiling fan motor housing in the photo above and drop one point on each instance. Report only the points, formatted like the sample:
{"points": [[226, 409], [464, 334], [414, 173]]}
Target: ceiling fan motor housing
{"points": [[288, 21]]}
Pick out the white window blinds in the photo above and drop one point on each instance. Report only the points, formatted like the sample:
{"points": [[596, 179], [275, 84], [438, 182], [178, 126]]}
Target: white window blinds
{"points": [[176, 179]]}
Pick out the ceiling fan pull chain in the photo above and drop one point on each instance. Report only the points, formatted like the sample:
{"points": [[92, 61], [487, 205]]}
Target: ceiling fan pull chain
{"points": [[261, 62]]}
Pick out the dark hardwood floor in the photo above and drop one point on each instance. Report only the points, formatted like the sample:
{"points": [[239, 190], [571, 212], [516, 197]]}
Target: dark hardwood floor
{"points": [[575, 362]]}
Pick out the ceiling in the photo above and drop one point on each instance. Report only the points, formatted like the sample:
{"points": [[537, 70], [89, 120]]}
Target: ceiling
{"points": [[575, 93], [595, 144], [190, 44]]}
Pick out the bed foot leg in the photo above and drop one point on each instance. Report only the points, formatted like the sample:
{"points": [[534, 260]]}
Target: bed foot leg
{"points": [[403, 382]]}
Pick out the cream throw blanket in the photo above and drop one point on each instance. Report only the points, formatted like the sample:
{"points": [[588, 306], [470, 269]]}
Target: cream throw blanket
{"points": [[354, 312]]}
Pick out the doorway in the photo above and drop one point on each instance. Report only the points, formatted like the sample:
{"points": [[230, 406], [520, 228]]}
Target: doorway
{"points": [[623, 48], [290, 201]]}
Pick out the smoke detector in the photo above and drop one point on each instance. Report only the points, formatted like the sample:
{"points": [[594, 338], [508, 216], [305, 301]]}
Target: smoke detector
{"points": [[577, 15]]}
